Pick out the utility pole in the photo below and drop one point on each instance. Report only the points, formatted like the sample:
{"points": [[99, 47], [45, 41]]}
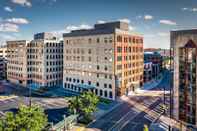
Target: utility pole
{"points": [[164, 99]]}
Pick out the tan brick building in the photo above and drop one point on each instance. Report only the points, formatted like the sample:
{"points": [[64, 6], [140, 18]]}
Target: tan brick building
{"points": [[107, 60], [38, 63], [17, 62]]}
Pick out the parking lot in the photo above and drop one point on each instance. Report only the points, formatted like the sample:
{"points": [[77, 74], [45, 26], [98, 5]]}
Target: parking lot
{"points": [[53, 101]]}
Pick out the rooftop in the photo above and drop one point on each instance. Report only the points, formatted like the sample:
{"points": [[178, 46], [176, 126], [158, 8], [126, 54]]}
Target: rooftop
{"points": [[192, 30], [104, 28]]}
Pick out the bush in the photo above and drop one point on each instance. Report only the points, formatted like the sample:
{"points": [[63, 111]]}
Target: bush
{"points": [[105, 101]]}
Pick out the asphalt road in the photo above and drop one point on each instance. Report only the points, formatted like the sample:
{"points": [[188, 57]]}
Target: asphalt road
{"points": [[55, 108], [127, 117]]}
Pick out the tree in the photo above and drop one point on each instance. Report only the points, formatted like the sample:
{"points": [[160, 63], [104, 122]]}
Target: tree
{"points": [[27, 118], [84, 104]]}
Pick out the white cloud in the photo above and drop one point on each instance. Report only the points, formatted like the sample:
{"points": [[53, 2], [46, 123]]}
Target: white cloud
{"points": [[22, 2], [82, 26], [189, 9], [69, 28], [6, 37], [148, 17], [149, 35], [8, 27], [163, 34], [17, 20], [8, 9], [167, 22], [138, 17], [100, 22], [194, 9], [159, 34], [184, 9], [131, 28], [125, 20]]}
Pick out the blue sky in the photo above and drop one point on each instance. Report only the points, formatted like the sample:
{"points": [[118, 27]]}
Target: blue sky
{"points": [[20, 19]]}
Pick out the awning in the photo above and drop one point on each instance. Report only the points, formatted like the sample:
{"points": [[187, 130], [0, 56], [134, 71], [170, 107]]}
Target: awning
{"points": [[84, 86]]}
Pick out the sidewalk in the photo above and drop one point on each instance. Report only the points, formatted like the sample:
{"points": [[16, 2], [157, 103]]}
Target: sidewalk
{"points": [[99, 113], [102, 111], [152, 84], [3, 98]]}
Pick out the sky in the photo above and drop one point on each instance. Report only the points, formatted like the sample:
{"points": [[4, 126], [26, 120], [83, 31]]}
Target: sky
{"points": [[20, 19]]}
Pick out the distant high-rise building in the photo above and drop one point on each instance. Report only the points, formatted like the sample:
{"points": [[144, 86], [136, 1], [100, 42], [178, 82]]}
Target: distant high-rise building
{"points": [[184, 44], [38, 63], [107, 60], [156, 59], [148, 69]]}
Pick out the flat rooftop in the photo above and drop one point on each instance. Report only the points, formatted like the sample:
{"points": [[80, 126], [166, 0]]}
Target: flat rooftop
{"points": [[104, 28], [192, 30]]}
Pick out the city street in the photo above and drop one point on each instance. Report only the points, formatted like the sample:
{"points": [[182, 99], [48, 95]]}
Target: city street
{"points": [[54, 107], [136, 110], [131, 115]]}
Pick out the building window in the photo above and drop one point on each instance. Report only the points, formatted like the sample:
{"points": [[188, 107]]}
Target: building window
{"points": [[110, 94], [119, 49], [101, 92], [105, 68], [97, 84], [119, 38], [98, 40], [89, 59], [105, 93], [105, 40], [119, 58], [89, 40], [89, 51], [98, 67], [187, 82]]}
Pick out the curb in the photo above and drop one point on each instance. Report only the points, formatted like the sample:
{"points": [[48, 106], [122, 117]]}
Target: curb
{"points": [[11, 97]]}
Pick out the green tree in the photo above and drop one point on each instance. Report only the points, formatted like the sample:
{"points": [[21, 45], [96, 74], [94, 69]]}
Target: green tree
{"points": [[27, 118], [84, 105]]}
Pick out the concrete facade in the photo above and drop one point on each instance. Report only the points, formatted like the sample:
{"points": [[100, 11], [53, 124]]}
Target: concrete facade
{"points": [[184, 91], [3, 52], [105, 60], [148, 71], [38, 63], [17, 62]]}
